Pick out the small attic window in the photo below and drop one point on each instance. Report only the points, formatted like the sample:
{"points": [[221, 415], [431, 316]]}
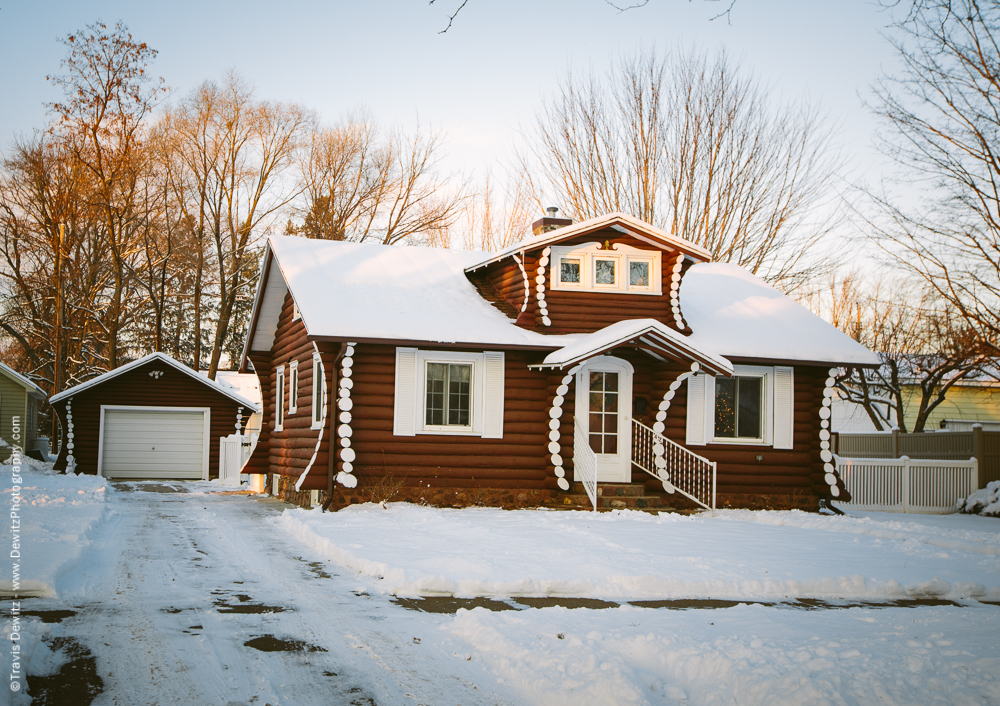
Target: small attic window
{"points": [[620, 269], [295, 311]]}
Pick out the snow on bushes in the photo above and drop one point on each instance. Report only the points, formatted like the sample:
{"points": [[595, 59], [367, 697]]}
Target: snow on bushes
{"points": [[983, 502]]}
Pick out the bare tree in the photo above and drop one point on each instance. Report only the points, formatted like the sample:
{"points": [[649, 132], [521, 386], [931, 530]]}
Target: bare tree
{"points": [[924, 349], [363, 183], [691, 145], [109, 94], [496, 217], [942, 114]]}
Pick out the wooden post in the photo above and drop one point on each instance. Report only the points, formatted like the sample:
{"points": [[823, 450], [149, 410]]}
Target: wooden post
{"points": [[895, 442], [977, 452]]}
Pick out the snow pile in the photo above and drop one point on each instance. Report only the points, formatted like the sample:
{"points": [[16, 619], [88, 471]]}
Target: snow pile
{"points": [[409, 550], [748, 655], [983, 502], [57, 514]]}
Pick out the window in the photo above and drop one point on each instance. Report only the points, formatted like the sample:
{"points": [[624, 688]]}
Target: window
{"points": [[318, 392], [293, 387], [448, 400], [589, 267], [279, 400], [739, 407], [295, 311], [603, 429], [754, 407], [446, 392]]}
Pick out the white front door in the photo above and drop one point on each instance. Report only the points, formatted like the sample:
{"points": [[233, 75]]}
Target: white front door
{"points": [[604, 409]]}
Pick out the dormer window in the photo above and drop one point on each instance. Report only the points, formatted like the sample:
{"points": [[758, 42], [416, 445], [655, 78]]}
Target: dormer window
{"points": [[590, 267]]}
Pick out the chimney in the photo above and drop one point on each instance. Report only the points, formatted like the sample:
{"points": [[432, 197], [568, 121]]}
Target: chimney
{"points": [[549, 222]]}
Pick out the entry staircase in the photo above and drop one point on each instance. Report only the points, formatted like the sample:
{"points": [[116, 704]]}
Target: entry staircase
{"points": [[678, 470]]}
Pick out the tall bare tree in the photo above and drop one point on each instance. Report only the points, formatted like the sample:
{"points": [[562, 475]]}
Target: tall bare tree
{"points": [[942, 117], [692, 145], [364, 183]]}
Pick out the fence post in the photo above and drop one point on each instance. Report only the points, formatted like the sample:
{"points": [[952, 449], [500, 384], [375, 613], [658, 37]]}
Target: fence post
{"points": [[895, 442], [906, 481], [978, 449]]}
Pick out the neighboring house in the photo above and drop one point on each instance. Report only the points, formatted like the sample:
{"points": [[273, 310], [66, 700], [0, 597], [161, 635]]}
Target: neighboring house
{"points": [[459, 377], [153, 418], [19, 399]]}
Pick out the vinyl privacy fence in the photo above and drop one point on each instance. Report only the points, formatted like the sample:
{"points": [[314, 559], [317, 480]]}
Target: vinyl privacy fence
{"points": [[907, 485]]}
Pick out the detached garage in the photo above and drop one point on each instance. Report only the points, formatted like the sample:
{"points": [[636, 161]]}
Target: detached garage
{"points": [[154, 418]]}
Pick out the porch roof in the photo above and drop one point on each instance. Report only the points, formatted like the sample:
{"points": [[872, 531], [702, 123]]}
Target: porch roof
{"points": [[650, 335]]}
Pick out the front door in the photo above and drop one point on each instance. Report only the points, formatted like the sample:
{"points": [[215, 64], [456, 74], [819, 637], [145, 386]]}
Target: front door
{"points": [[604, 410]]}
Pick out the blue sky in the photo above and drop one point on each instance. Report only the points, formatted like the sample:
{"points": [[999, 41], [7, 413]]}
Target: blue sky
{"points": [[479, 82]]}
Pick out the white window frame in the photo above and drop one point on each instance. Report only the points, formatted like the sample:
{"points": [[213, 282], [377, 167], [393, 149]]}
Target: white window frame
{"points": [[279, 402], [476, 360], [296, 315], [293, 387], [767, 407], [319, 390], [622, 254]]}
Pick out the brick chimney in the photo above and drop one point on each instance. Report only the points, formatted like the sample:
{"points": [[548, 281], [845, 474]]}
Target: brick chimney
{"points": [[549, 222]]}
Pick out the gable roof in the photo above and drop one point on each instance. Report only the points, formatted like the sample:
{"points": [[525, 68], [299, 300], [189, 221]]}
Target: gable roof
{"points": [[652, 335], [167, 360], [29, 387], [739, 315], [617, 221]]}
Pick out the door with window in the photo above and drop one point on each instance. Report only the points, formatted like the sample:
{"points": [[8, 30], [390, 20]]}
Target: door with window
{"points": [[604, 411]]}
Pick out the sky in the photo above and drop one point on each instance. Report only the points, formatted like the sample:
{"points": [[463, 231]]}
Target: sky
{"points": [[481, 82]]}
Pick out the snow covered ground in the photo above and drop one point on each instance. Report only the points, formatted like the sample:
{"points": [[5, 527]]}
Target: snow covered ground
{"points": [[179, 593], [408, 550]]}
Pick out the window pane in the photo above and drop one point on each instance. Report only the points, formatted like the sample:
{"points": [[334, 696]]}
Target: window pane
{"points": [[638, 274], [611, 382], [610, 444], [459, 387], [749, 416], [597, 381], [610, 401], [569, 270], [596, 402], [725, 407], [610, 423], [604, 271], [436, 373]]}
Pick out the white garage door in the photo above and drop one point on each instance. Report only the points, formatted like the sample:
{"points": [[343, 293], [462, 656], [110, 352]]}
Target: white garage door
{"points": [[153, 443]]}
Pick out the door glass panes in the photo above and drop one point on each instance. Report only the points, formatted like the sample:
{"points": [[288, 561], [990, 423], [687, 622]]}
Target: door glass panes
{"points": [[603, 412], [449, 394], [604, 271], [569, 270], [638, 274], [739, 407]]}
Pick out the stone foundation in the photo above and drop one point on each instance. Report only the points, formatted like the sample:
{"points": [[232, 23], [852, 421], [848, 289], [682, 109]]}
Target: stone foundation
{"points": [[287, 492], [804, 500], [505, 498]]}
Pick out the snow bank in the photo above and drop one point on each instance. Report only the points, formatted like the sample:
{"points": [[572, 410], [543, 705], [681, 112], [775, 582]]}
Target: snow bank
{"points": [[983, 502], [58, 513], [409, 550], [750, 655]]}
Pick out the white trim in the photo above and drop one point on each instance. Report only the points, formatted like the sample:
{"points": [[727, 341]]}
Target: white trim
{"points": [[296, 314], [206, 433], [163, 358], [279, 400], [476, 360], [293, 387], [620, 469]]}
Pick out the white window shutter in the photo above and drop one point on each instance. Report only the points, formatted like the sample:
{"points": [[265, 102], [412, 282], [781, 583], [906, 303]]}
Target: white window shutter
{"points": [[696, 406], [493, 380], [404, 412], [784, 407]]}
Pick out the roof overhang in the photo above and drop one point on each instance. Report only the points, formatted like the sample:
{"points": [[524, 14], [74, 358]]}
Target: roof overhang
{"points": [[649, 335], [166, 360], [617, 221], [31, 388]]}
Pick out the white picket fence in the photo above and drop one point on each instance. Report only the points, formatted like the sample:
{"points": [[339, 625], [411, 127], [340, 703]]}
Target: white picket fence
{"points": [[234, 452], [907, 485]]}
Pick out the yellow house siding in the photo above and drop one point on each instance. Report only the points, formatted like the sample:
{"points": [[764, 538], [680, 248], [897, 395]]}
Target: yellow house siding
{"points": [[968, 403]]}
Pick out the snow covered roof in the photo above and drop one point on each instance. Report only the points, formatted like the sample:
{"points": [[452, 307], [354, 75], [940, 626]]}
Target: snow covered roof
{"points": [[648, 332], [226, 390], [739, 315], [33, 389], [617, 221], [367, 291], [246, 384]]}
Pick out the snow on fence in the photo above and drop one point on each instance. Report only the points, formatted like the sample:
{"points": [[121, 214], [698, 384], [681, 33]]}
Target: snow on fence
{"points": [[584, 463], [676, 467], [907, 485], [234, 452]]}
